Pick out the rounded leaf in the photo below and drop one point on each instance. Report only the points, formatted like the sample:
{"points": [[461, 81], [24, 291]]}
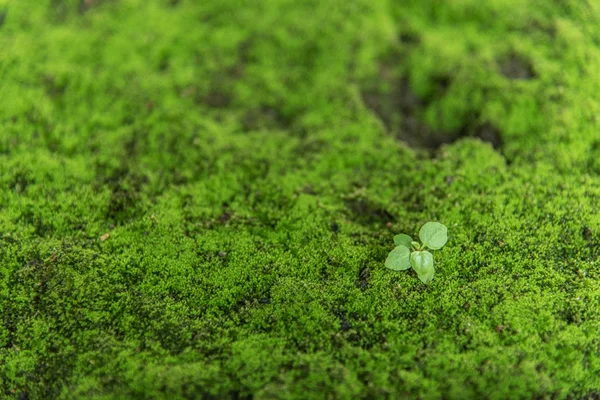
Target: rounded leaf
{"points": [[403, 240], [422, 261], [428, 276], [398, 259], [434, 235]]}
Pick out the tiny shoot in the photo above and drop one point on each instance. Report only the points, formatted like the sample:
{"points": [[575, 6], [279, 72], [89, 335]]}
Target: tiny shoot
{"points": [[409, 253]]}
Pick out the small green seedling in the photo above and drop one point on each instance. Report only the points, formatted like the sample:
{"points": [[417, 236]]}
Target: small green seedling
{"points": [[433, 235]]}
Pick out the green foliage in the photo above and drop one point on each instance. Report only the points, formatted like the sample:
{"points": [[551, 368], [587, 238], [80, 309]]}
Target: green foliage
{"points": [[231, 153], [422, 262], [403, 240], [399, 258], [433, 235]]}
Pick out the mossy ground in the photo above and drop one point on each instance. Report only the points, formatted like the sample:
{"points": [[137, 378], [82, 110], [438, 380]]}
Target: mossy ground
{"points": [[251, 162]]}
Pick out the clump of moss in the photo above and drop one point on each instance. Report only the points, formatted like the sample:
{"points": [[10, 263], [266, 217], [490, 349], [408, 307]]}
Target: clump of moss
{"points": [[197, 200]]}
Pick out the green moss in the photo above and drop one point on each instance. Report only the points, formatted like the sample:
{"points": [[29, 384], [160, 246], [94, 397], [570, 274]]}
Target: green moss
{"points": [[196, 200]]}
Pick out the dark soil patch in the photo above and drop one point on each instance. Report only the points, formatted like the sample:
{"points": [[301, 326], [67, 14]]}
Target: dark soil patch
{"points": [[334, 227], [60, 10], [265, 117], [53, 88], [345, 325], [125, 187], [401, 110], [548, 29], [225, 217], [489, 133], [366, 212], [363, 278], [409, 38], [308, 149], [3, 13], [221, 94], [217, 98], [516, 67], [593, 244], [587, 234], [20, 181], [86, 5], [485, 131], [125, 197]]}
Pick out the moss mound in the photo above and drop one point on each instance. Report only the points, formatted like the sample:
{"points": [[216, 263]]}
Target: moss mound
{"points": [[197, 198]]}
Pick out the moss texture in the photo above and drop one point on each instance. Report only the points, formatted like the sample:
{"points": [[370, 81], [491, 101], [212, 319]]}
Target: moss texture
{"points": [[197, 198]]}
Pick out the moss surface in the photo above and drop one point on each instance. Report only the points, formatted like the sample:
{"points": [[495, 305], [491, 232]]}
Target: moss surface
{"points": [[197, 198]]}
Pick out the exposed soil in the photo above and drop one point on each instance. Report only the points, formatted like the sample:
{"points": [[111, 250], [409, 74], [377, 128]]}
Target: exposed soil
{"points": [[516, 67], [86, 5], [265, 117], [362, 281], [401, 110], [3, 13], [366, 212]]}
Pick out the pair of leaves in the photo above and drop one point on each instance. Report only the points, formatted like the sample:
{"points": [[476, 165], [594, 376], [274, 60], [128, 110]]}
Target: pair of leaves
{"points": [[433, 235], [401, 259]]}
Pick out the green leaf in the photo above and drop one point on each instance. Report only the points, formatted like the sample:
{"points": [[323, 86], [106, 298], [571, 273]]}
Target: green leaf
{"points": [[421, 261], [434, 235], [428, 276], [402, 240], [398, 259]]}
